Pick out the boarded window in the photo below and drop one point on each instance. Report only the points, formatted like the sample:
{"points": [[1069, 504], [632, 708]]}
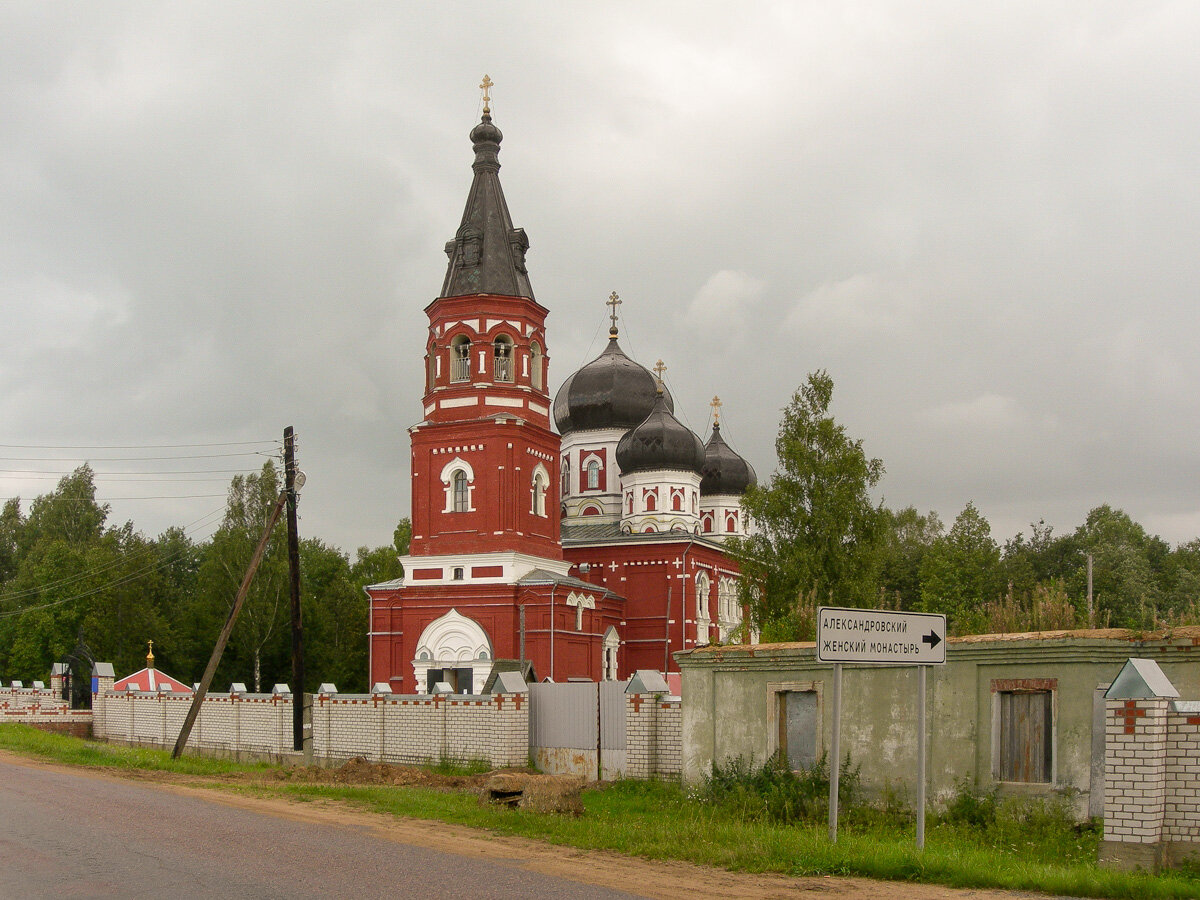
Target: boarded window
{"points": [[1026, 722], [798, 728]]}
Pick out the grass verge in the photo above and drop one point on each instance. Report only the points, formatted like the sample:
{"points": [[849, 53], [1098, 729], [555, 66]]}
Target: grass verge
{"points": [[659, 821]]}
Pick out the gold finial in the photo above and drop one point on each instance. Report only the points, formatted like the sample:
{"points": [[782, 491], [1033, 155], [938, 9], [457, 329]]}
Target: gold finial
{"points": [[486, 86], [614, 301], [716, 408], [660, 369], [150, 655]]}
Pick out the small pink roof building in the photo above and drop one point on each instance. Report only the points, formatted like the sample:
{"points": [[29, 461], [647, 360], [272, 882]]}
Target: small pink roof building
{"points": [[151, 680]]}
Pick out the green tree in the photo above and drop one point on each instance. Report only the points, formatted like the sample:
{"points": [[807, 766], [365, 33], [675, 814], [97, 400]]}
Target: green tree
{"points": [[817, 531], [1129, 570], [335, 617], [961, 572], [907, 537]]}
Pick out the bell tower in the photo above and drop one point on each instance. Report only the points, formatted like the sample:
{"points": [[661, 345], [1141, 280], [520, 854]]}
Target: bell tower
{"points": [[484, 459]]}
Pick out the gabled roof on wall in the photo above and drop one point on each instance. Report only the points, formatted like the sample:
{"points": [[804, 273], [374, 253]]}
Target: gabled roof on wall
{"points": [[1140, 679], [151, 680]]}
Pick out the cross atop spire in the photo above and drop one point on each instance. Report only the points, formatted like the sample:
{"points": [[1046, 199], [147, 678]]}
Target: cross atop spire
{"points": [[150, 655], [716, 405], [486, 86], [660, 369], [613, 301]]}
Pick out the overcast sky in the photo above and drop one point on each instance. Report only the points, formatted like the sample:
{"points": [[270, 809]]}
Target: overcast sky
{"points": [[218, 219]]}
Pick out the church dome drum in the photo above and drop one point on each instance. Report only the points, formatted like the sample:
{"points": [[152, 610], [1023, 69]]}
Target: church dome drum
{"points": [[660, 441], [612, 391], [724, 471]]}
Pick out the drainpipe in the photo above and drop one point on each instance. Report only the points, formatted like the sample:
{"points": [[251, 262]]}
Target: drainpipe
{"points": [[553, 588]]}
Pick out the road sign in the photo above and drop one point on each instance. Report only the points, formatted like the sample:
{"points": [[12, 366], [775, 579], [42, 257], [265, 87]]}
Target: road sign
{"points": [[880, 636]]}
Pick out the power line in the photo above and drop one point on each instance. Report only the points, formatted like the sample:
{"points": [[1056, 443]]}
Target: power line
{"points": [[136, 446], [136, 458], [109, 499], [73, 579]]}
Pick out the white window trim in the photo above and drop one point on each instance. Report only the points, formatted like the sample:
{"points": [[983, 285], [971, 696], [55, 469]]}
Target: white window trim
{"points": [[447, 477]]}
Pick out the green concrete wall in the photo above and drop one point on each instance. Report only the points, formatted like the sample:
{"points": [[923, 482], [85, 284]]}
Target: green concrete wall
{"points": [[729, 706]]}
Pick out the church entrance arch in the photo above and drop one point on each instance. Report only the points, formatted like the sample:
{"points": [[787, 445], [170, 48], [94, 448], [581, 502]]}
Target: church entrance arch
{"points": [[454, 649]]}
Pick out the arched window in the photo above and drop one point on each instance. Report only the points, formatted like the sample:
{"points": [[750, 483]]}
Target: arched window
{"points": [[591, 511], [460, 359], [593, 474], [676, 501], [706, 521], [651, 499], [535, 365], [566, 477], [459, 487], [702, 588], [731, 521], [540, 482], [433, 361], [502, 368], [649, 529], [629, 497], [458, 479]]}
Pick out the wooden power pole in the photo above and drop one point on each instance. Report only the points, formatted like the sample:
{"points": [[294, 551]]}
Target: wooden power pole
{"points": [[290, 486], [194, 710]]}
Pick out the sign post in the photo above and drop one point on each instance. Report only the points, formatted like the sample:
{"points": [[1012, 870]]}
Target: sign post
{"points": [[879, 637]]}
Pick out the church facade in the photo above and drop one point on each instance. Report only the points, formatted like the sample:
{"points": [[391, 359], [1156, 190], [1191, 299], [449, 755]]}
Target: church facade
{"points": [[587, 552]]}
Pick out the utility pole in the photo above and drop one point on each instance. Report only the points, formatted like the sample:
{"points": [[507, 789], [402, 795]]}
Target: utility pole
{"points": [[223, 639], [1091, 609], [293, 481]]}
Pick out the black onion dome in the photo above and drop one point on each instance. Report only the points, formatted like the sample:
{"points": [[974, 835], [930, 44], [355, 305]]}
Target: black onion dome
{"points": [[724, 472], [660, 441], [612, 391]]}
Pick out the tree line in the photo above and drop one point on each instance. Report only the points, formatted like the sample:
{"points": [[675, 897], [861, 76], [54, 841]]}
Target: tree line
{"points": [[821, 540], [72, 584]]}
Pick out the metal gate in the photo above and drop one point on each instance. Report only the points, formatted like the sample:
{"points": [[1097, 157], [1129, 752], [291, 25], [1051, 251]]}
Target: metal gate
{"points": [[578, 728]]}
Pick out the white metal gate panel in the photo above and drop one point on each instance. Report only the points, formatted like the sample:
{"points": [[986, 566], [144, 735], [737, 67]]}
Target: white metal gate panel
{"points": [[578, 728]]}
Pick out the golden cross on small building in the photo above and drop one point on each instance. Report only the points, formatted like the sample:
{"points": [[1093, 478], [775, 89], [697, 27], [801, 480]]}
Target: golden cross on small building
{"points": [[660, 369], [614, 301], [150, 655], [486, 86], [716, 408]]}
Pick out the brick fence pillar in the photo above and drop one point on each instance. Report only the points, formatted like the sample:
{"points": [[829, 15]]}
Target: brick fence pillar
{"points": [[1135, 780]]}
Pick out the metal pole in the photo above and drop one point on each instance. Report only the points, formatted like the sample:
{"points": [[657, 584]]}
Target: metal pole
{"points": [[835, 752], [921, 757], [293, 541], [223, 639], [1091, 611]]}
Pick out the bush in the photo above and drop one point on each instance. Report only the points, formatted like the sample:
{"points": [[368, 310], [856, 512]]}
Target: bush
{"points": [[775, 793]]}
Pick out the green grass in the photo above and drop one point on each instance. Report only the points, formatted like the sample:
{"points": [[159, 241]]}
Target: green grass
{"points": [[659, 821]]}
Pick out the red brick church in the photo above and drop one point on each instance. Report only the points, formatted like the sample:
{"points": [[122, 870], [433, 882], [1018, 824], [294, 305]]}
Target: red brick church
{"points": [[589, 552]]}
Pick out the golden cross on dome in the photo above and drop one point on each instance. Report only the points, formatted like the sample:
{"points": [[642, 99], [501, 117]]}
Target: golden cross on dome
{"points": [[716, 408], [660, 367], [614, 301], [150, 655], [486, 86]]}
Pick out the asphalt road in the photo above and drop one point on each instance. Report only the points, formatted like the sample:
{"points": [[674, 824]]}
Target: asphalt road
{"points": [[68, 834]]}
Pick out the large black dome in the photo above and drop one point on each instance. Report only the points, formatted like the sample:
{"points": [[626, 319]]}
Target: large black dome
{"points": [[724, 472], [660, 441], [612, 391]]}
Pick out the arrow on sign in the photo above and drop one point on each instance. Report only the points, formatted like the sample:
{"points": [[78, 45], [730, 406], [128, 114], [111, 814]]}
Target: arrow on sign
{"points": [[931, 639]]}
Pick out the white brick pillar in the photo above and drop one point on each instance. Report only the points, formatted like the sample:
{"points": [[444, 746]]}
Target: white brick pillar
{"points": [[1135, 782]]}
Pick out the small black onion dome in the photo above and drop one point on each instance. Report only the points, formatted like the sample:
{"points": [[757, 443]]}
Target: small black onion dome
{"points": [[612, 391], [724, 472], [485, 131], [660, 441]]}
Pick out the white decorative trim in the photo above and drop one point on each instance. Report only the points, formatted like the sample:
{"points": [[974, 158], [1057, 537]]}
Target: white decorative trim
{"points": [[454, 402]]}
